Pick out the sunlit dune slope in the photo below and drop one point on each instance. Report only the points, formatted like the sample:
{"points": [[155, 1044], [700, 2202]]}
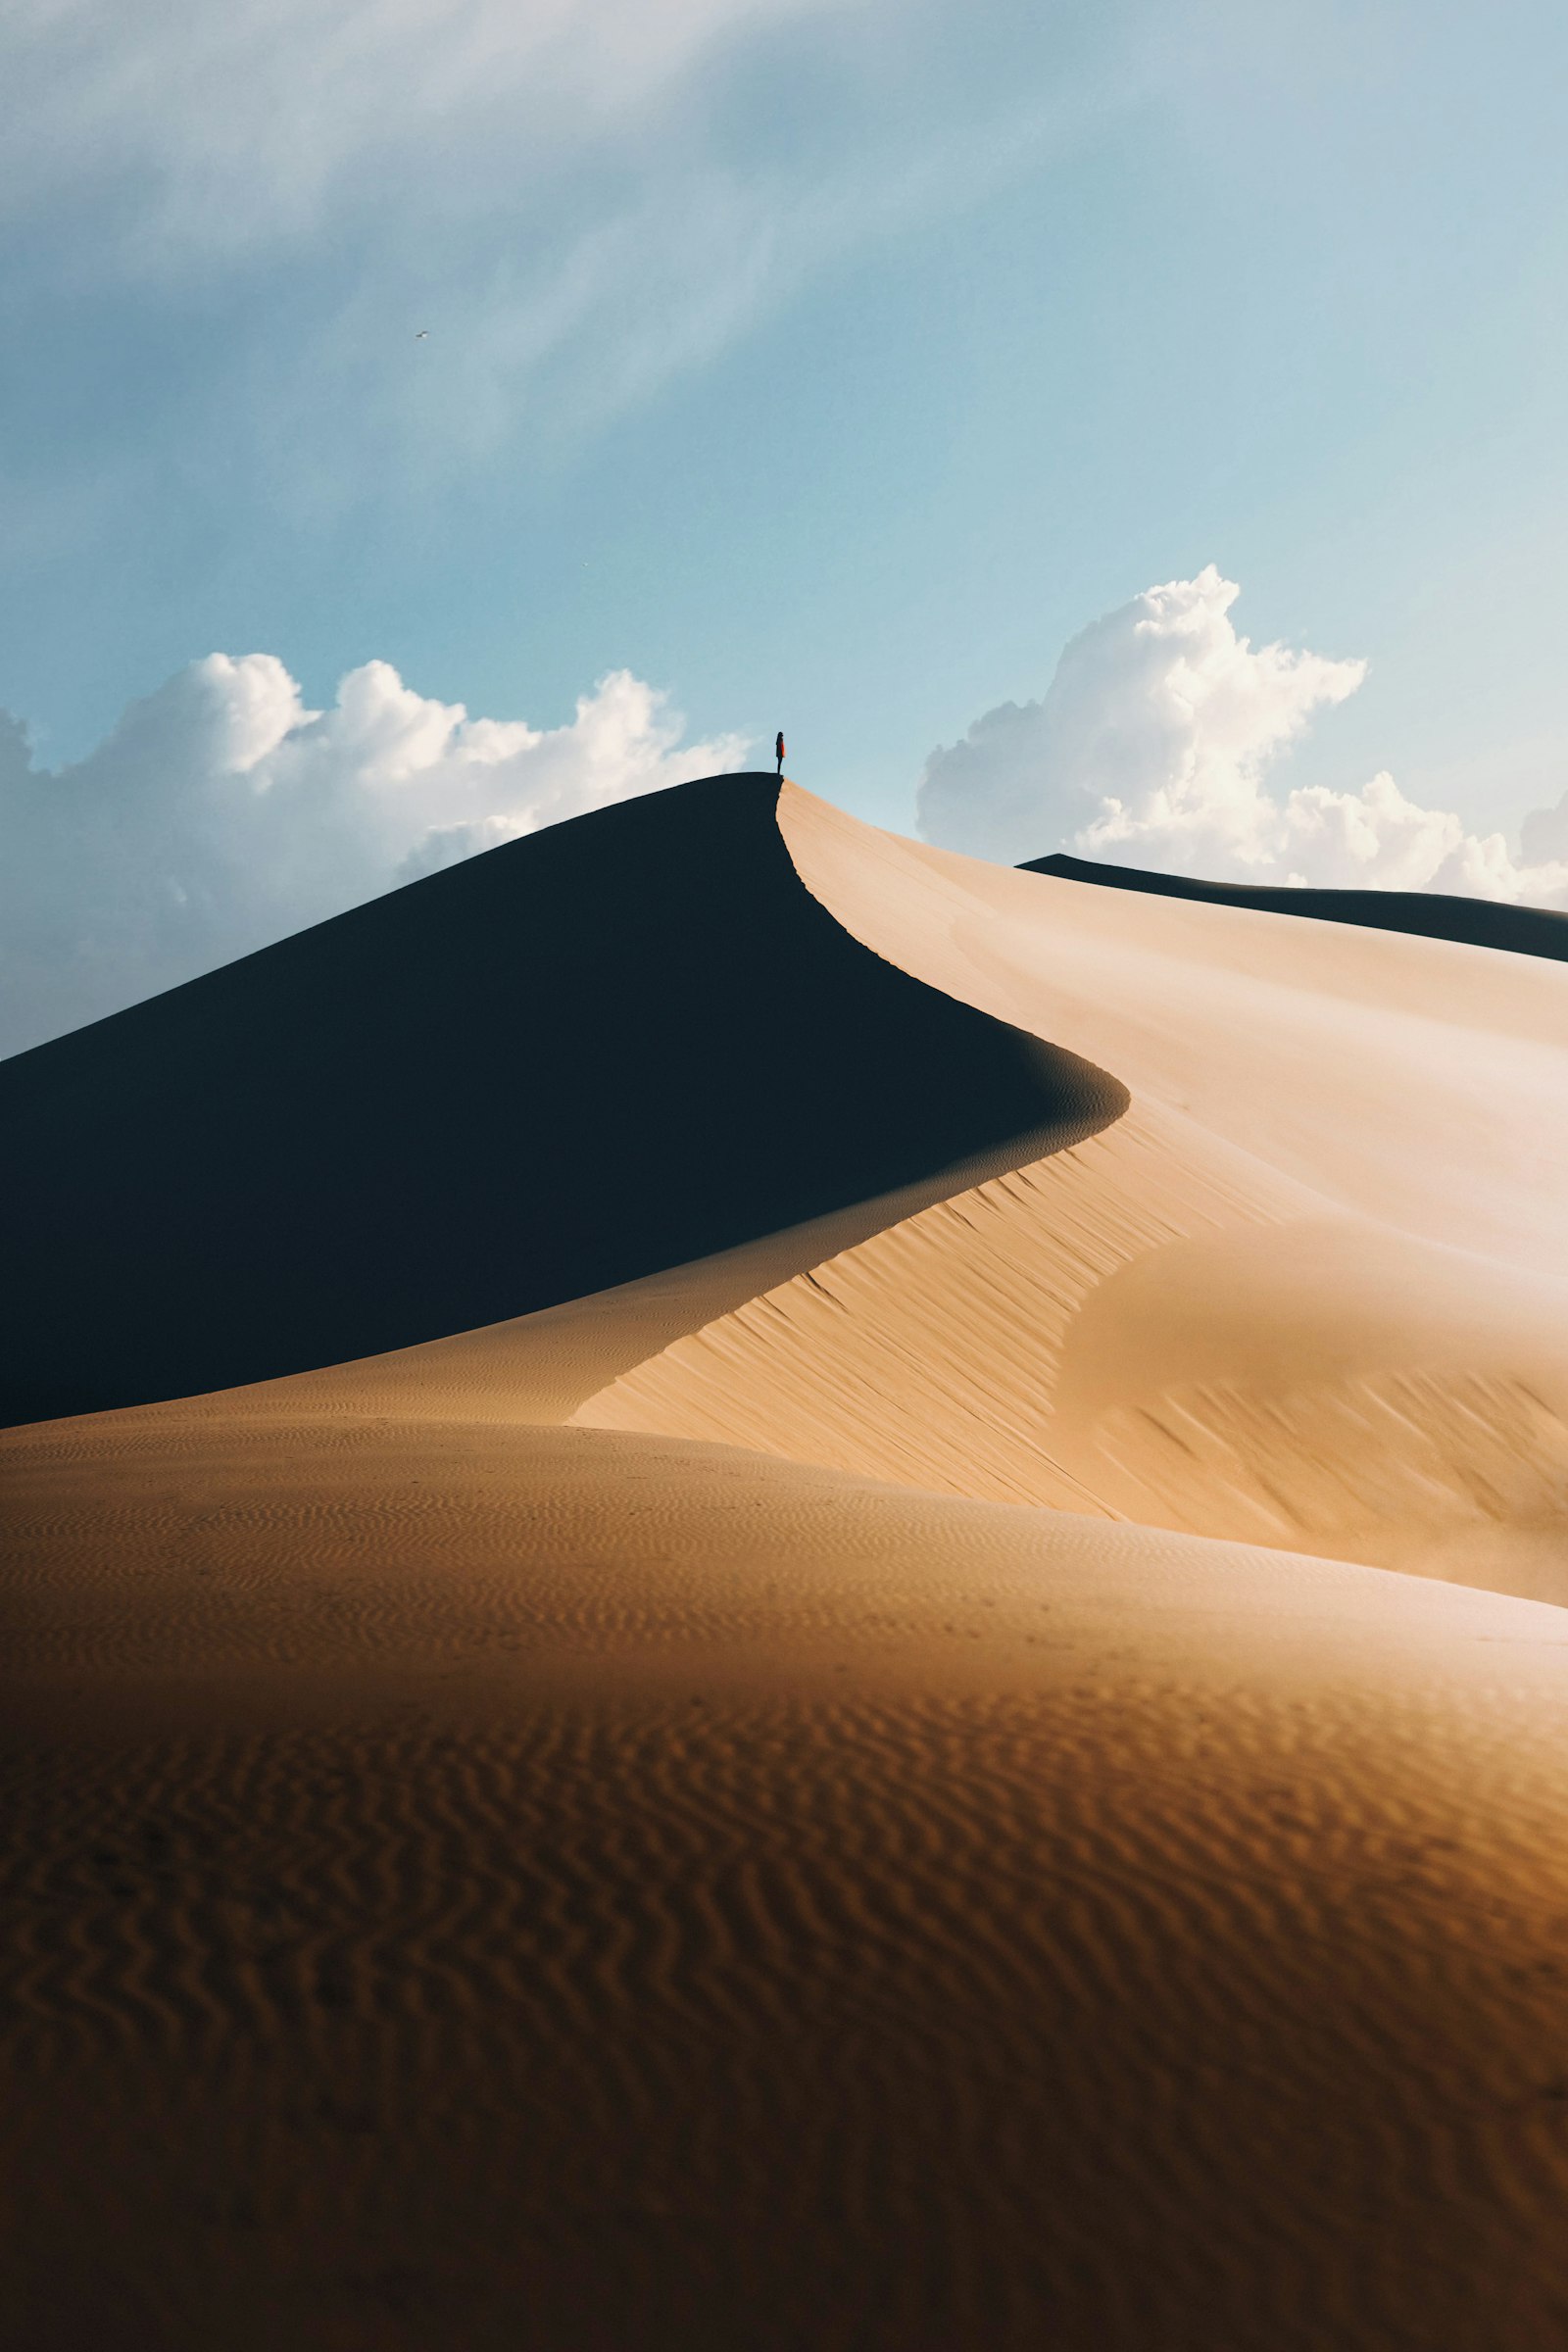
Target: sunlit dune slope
{"points": [[1310, 1292], [621, 1044], [1419, 1081], [1427, 914], [463, 1881]]}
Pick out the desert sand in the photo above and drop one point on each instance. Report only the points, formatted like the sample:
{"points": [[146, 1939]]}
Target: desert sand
{"points": [[871, 1772], [1310, 1291]]}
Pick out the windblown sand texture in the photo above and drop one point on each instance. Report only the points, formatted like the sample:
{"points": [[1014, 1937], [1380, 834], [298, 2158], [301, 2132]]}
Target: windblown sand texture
{"points": [[1312, 1291], [815, 1789]]}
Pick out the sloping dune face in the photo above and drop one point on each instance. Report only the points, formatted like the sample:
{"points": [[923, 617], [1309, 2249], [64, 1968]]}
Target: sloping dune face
{"points": [[622, 1045], [1313, 1291]]}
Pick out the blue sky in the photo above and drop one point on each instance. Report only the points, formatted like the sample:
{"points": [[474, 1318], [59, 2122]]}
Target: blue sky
{"points": [[824, 366]]}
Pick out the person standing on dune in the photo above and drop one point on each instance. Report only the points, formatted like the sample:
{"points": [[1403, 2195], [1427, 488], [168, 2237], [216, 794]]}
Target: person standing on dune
{"points": [[778, 752]]}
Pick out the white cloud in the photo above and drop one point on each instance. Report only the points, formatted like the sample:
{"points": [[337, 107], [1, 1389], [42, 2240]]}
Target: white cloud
{"points": [[222, 813], [1151, 747], [1543, 835]]}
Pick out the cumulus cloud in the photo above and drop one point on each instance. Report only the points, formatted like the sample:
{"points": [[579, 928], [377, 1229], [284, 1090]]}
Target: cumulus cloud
{"points": [[1151, 747], [221, 815]]}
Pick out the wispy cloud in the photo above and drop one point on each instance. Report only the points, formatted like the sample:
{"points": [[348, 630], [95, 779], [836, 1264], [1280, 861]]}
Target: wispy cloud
{"points": [[224, 128], [578, 198]]}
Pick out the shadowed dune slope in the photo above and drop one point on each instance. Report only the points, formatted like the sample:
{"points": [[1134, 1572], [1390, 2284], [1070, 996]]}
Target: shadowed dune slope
{"points": [[617, 1046], [470, 1886], [537, 1369], [1424, 913]]}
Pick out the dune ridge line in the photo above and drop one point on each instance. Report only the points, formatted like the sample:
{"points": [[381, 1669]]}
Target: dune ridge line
{"points": [[424, 1117], [1111, 1329]]}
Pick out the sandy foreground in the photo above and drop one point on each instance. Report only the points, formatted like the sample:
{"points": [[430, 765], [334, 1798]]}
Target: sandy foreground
{"points": [[824, 1794]]}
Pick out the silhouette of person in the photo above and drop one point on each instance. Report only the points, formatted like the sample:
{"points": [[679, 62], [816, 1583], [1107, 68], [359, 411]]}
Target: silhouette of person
{"points": [[778, 754]]}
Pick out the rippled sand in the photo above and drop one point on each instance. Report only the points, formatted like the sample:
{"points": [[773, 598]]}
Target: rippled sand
{"points": [[469, 1880], [765, 1807]]}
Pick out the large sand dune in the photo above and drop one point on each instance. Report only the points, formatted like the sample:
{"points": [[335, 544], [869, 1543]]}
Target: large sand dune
{"points": [[1313, 1291], [488, 1864], [614, 1047]]}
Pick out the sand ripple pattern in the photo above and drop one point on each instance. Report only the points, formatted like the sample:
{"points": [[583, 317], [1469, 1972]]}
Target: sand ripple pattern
{"points": [[931, 1353], [776, 1911], [950, 1352], [892, 2025], [1439, 1473]]}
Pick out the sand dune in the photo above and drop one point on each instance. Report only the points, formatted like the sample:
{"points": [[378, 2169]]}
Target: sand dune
{"points": [[1415, 1080], [487, 1863], [928, 1353], [536, 1369], [465, 1101], [1185, 1320]]}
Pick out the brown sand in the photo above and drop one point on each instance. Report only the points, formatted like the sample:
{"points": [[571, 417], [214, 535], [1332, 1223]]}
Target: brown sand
{"points": [[474, 1887], [478, 1883]]}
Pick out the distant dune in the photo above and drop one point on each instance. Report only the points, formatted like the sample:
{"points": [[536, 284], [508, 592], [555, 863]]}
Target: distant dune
{"points": [[843, 1783], [1426, 914], [624, 1043]]}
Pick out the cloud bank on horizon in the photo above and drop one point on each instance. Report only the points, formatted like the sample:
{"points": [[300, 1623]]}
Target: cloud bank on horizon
{"points": [[221, 815], [1151, 747]]}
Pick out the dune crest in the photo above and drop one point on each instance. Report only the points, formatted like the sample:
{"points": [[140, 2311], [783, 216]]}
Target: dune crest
{"points": [[612, 1048], [1116, 1330], [1419, 1081]]}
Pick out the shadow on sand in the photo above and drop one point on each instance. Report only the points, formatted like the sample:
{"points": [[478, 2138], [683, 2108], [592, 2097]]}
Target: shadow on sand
{"points": [[612, 1048]]}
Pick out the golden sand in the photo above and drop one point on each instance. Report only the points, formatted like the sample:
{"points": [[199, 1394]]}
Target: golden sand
{"points": [[754, 1810], [1260, 1306]]}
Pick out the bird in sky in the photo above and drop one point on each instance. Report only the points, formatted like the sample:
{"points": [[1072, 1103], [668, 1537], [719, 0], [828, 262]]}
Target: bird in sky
{"points": [[424, 335]]}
